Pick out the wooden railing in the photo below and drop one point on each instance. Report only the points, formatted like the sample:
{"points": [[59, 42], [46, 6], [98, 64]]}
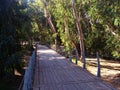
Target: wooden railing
{"points": [[29, 73], [84, 63]]}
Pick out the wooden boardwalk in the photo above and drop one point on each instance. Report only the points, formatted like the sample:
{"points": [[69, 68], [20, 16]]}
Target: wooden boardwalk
{"points": [[54, 72]]}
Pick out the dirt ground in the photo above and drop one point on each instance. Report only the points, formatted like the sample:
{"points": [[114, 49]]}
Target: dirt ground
{"points": [[110, 70]]}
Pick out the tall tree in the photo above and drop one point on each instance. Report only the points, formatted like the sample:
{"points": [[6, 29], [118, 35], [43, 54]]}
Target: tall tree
{"points": [[108, 20], [80, 32]]}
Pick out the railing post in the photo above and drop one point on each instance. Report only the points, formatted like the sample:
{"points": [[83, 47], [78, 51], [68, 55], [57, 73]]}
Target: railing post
{"points": [[29, 73], [98, 60], [70, 58], [76, 62], [84, 61], [36, 53]]}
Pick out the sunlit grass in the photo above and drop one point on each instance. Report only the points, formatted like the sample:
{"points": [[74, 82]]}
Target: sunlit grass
{"points": [[107, 67], [79, 63]]}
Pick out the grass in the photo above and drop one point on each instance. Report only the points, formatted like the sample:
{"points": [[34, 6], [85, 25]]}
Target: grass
{"points": [[79, 63]]}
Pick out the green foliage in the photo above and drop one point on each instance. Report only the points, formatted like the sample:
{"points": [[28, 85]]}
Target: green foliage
{"points": [[101, 27], [12, 33], [26, 22], [40, 27], [108, 17], [62, 15]]}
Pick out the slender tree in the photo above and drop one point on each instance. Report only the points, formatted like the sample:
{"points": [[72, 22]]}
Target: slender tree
{"points": [[80, 33]]}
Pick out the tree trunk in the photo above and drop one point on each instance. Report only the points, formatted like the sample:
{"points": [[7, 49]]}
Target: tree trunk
{"points": [[49, 20], [80, 34]]}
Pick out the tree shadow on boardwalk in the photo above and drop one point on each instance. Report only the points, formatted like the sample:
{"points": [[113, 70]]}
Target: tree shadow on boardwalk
{"points": [[55, 72]]}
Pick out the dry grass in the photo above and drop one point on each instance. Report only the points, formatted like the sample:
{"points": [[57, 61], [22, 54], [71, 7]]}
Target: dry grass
{"points": [[110, 70]]}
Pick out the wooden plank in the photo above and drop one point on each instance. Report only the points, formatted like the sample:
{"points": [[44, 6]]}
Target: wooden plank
{"points": [[35, 88], [54, 72]]}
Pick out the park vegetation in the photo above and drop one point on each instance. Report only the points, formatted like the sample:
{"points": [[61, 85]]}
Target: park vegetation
{"points": [[22, 22]]}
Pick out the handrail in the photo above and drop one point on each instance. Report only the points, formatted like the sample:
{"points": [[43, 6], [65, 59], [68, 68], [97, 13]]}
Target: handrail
{"points": [[84, 63], [99, 67], [29, 73]]}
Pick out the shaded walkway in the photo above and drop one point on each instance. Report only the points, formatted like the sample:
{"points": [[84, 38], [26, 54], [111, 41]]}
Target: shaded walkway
{"points": [[54, 72]]}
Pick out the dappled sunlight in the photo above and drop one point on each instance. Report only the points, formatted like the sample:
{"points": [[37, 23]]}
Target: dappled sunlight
{"points": [[47, 51], [107, 67], [17, 73], [88, 59], [110, 70], [106, 72], [109, 63], [51, 58], [60, 57], [56, 69], [43, 25]]}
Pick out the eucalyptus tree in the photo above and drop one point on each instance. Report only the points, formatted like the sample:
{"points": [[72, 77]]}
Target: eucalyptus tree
{"points": [[39, 26], [49, 19], [105, 25], [58, 20], [100, 27], [60, 14]]}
